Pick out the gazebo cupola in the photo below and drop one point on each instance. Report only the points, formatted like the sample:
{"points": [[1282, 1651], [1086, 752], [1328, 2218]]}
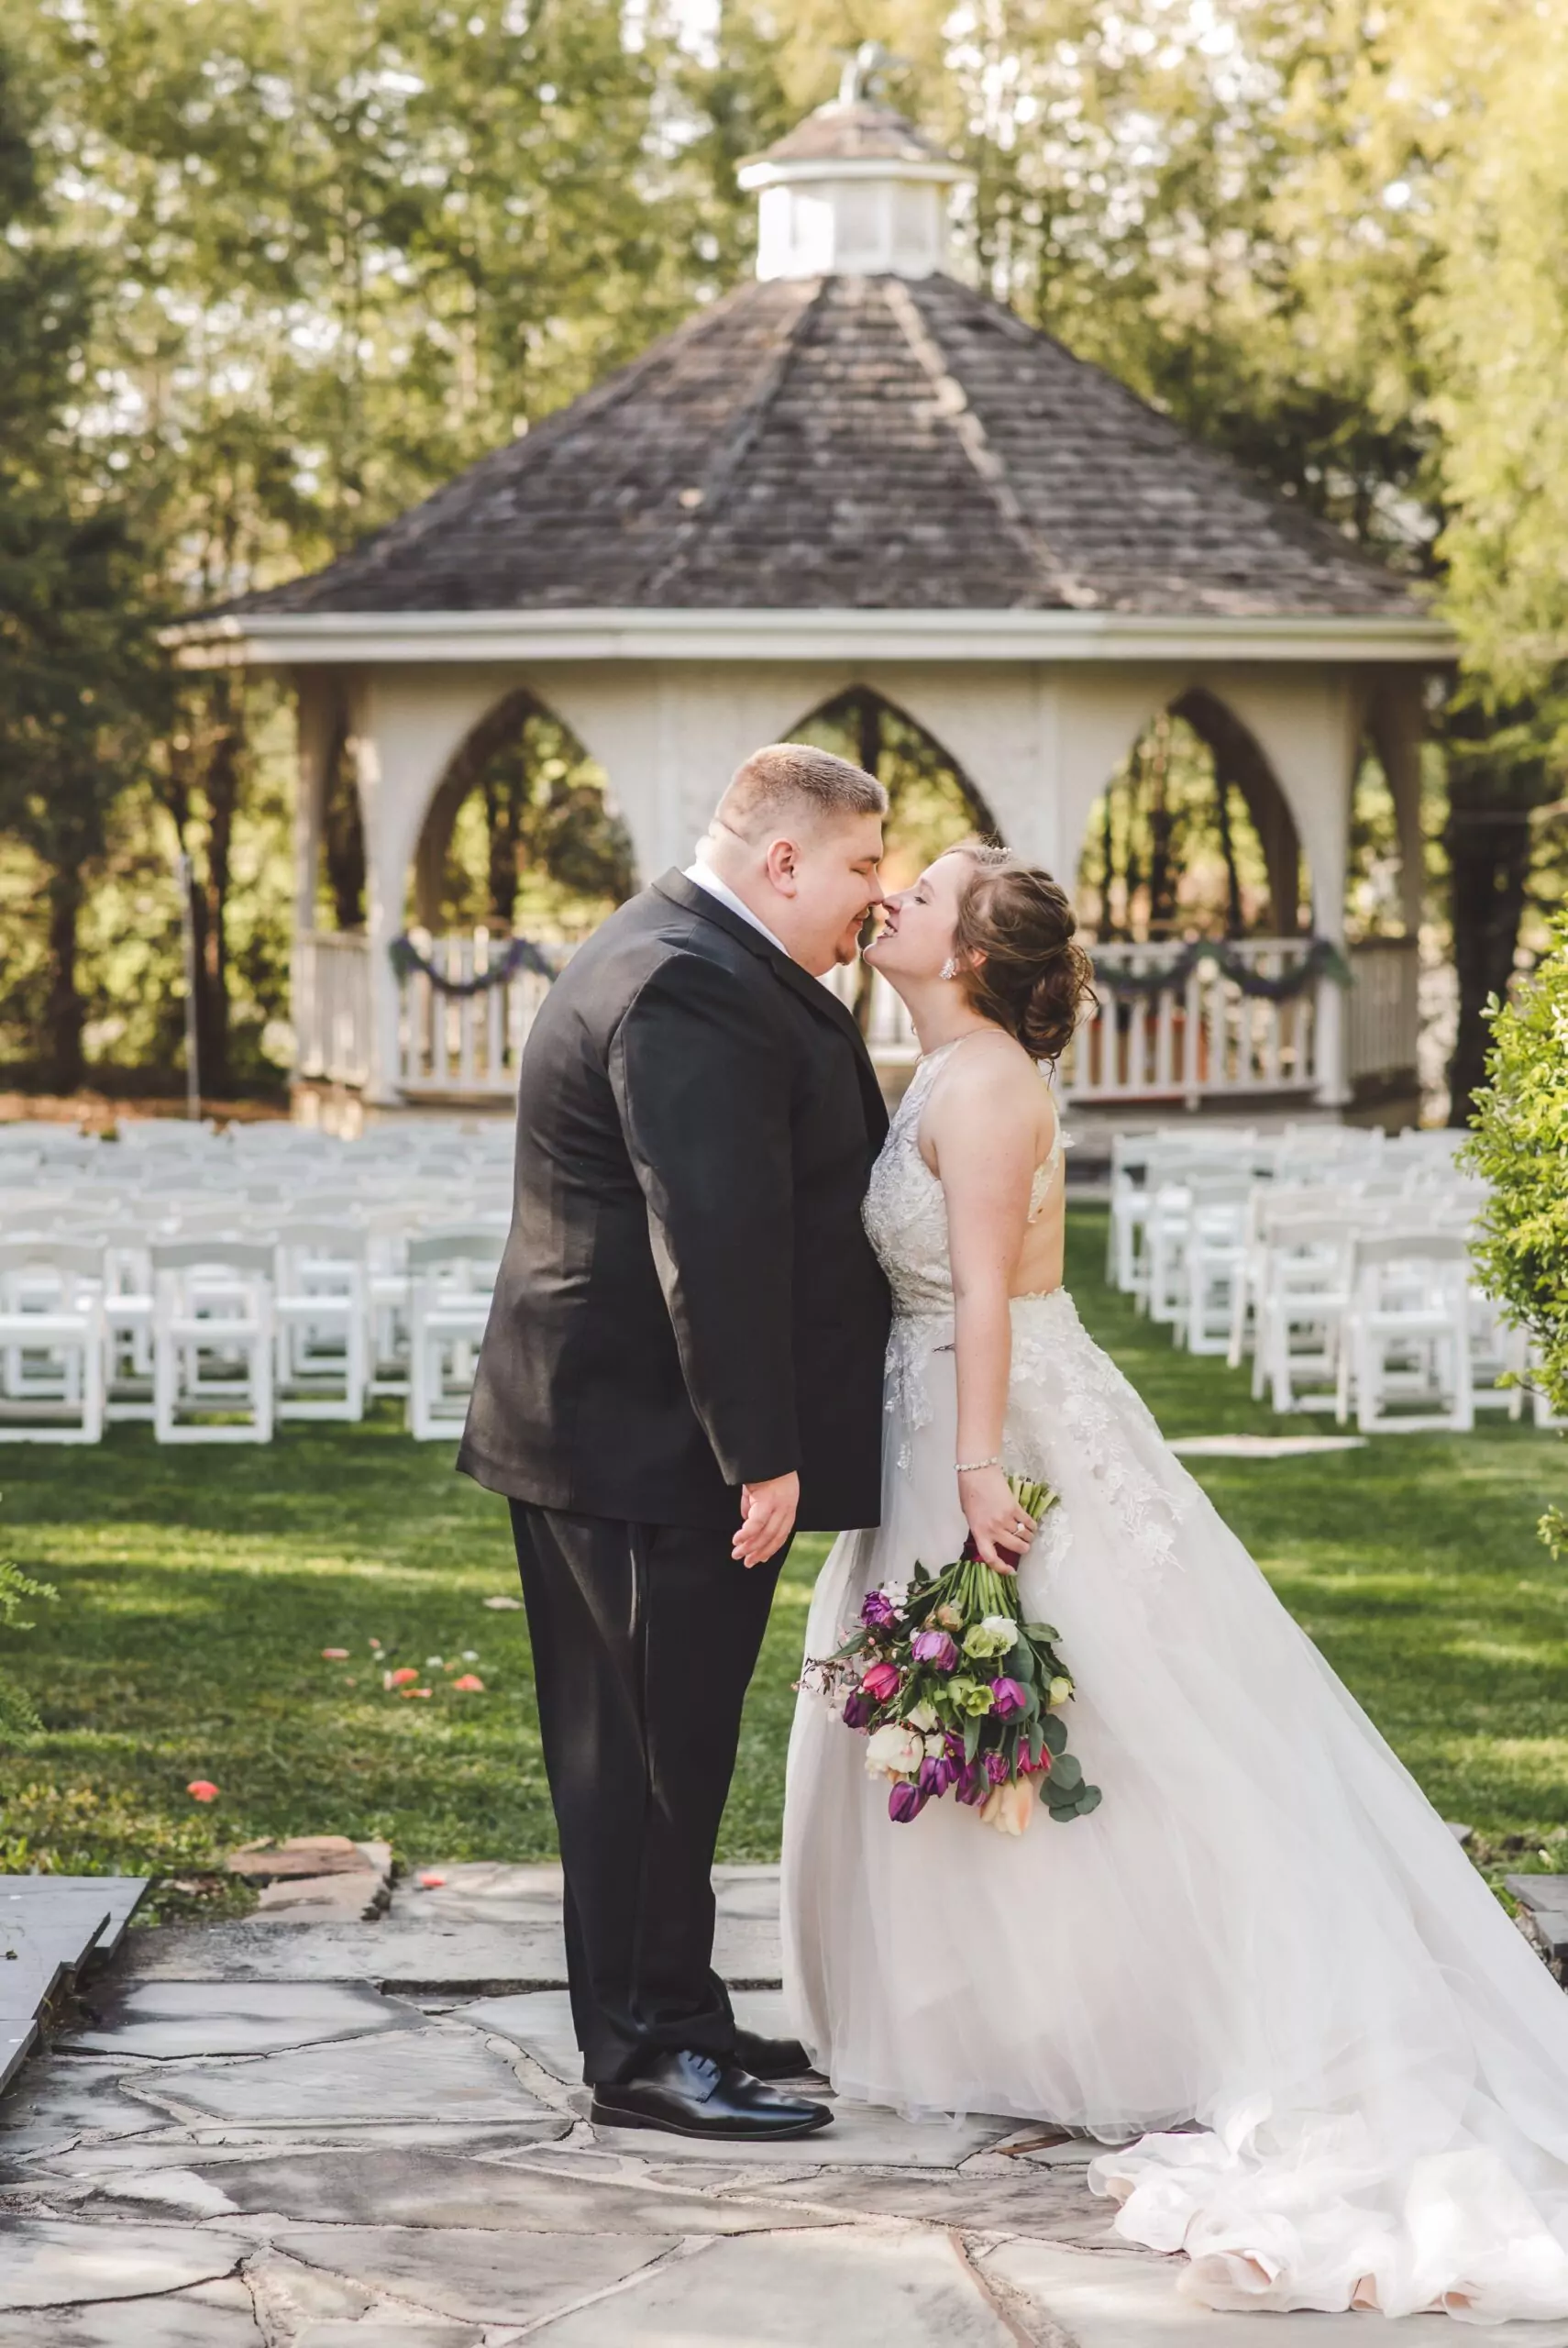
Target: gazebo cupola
{"points": [[854, 472], [854, 190]]}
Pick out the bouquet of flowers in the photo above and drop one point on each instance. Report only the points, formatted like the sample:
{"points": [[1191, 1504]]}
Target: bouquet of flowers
{"points": [[954, 1692]]}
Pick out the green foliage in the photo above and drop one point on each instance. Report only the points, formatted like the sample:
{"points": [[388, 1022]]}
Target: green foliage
{"points": [[18, 1718], [1520, 1145]]}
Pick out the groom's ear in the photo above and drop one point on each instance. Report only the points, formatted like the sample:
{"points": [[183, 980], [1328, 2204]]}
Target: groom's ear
{"points": [[781, 864]]}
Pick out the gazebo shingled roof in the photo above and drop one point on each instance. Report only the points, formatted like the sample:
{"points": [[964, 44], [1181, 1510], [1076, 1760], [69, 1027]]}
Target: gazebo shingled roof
{"points": [[847, 442]]}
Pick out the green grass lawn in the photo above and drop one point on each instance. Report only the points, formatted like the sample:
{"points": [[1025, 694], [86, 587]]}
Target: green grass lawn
{"points": [[198, 1586]]}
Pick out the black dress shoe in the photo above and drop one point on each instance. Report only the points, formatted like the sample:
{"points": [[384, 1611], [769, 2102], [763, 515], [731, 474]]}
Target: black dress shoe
{"points": [[691, 2095], [770, 2058]]}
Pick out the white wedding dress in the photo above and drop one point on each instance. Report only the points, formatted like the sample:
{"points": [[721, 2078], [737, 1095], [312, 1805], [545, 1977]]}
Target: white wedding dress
{"points": [[1265, 1928]]}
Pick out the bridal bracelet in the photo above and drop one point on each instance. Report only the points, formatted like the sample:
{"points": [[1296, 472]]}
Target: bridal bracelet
{"points": [[968, 1467]]}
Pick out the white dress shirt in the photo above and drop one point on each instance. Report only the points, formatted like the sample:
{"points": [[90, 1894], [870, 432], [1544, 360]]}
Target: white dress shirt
{"points": [[704, 878]]}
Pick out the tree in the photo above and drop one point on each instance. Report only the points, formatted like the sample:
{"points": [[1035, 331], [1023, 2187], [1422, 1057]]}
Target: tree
{"points": [[1521, 1146], [75, 686], [349, 245]]}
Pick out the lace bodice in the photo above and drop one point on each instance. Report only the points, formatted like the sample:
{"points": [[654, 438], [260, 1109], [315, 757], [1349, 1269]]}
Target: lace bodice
{"points": [[905, 1213]]}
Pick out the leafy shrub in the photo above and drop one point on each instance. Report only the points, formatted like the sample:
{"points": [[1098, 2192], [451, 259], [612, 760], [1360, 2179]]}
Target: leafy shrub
{"points": [[1520, 1145], [17, 1718]]}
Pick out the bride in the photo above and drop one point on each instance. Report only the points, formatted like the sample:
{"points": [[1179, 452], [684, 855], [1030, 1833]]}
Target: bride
{"points": [[1265, 1929]]}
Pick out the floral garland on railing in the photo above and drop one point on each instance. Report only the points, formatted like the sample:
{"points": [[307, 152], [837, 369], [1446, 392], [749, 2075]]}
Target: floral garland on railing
{"points": [[521, 954], [1321, 959]]}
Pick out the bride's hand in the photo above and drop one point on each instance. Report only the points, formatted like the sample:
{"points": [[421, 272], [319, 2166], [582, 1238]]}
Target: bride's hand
{"points": [[1002, 1530]]}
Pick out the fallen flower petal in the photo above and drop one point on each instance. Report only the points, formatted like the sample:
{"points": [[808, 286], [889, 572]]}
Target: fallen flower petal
{"points": [[503, 1605], [471, 1684], [335, 1655], [413, 1691], [432, 1663], [431, 1880], [201, 1789], [401, 1676], [471, 1655]]}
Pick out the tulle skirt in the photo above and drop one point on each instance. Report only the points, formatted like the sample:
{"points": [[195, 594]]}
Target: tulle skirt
{"points": [[1265, 1929]]}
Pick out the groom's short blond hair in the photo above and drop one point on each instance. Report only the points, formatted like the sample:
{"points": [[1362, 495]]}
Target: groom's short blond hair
{"points": [[789, 781]]}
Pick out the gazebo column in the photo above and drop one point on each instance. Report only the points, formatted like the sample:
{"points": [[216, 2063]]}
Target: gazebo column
{"points": [[1398, 724], [319, 726], [1309, 726], [405, 729]]}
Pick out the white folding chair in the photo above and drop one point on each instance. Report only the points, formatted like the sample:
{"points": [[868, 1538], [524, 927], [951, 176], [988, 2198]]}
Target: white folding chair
{"points": [[212, 1340], [1125, 1265], [321, 1316], [1216, 1260], [1303, 1299], [52, 1341], [128, 1322], [1406, 1355], [451, 1277]]}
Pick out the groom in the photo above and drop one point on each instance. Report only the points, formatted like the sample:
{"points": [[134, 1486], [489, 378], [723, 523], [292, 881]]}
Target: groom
{"points": [[683, 1365]]}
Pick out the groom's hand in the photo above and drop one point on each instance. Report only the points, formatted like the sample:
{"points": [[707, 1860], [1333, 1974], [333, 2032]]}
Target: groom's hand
{"points": [[767, 1519]]}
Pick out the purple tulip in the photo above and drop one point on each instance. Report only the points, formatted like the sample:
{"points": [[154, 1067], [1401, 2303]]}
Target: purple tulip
{"points": [[905, 1803], [973, 1784], [936, 1774], [881, 1681], [936, 1648], [1008, 1696], [953, 1745], [858, 1711], [998, 1768], [877, 1611]]}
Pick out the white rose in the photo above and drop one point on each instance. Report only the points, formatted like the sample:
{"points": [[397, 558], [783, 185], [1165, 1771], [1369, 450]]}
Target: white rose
{"points": [[920, 1716], [894, 1752], [1003, 1631]]}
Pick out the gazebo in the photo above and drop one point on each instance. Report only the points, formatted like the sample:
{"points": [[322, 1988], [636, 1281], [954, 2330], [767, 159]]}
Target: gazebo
{"points": [[858, 471]]}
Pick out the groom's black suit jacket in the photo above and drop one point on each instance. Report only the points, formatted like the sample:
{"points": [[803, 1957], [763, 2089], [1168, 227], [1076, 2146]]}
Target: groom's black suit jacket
{"points": [[687, 1301]]}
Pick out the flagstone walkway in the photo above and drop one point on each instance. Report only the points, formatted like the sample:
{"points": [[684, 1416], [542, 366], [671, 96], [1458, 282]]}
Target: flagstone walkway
{"points": [[340, 2135]]}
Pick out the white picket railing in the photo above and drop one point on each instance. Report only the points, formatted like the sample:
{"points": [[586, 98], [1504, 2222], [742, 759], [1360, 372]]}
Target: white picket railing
{"points": [[1201, 1040], [330, 1002], [465, 1045], [1204, 1040], [1384, 1018]]}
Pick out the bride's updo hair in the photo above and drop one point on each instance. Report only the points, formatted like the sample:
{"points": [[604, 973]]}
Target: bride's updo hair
{"points": [[1019, 962]]}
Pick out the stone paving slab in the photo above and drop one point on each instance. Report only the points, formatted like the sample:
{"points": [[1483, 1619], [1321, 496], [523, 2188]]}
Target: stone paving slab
{"points": [[59, 2100], [174, 2020], [48, 2262], [486, 2277], [1057, 2208], [215, 2315], [487, 1930], [416, 2186], [431, 2074], [778, 2291]]}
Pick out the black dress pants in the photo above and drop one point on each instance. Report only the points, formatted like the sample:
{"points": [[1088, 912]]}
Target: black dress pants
{"points": [[645, 1639]]}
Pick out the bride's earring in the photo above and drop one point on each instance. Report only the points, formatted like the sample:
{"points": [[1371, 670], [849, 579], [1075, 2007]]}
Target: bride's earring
{"points": [[950, 968]]}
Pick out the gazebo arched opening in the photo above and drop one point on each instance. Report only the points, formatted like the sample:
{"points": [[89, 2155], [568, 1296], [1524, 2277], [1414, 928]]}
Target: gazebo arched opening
{"points": [[520, 837], [1192, 838], [1193, 883], [933, 803]]}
